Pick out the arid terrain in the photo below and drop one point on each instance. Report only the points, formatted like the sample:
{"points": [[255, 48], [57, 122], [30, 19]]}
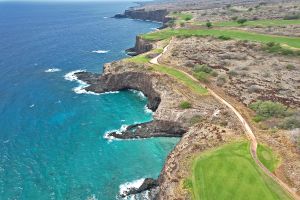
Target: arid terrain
{"points": [[245, 52]]}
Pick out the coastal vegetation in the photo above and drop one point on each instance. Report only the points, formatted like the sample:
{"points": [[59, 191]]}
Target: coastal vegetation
{"points": [[288, 42], [267, 109], [185, 105], [267, 157], [203, 72], [233, 163], [182, 77], [138, 59]]}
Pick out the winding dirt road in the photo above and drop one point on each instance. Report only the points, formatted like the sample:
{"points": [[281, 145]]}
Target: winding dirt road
{"points": [[250, 134]]}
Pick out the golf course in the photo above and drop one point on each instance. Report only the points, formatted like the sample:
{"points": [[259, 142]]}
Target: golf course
{"points": [[230, 173]]}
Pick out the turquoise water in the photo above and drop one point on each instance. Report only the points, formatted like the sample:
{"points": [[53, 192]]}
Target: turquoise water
{"points": [[51, 138]]}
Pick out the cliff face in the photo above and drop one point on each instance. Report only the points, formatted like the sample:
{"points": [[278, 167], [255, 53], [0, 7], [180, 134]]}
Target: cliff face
{"points": [[142, 14], [122, 81], [141, 46]]}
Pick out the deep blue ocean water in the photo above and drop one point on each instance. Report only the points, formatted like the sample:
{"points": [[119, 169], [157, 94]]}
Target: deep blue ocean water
{"points": [[51, 138]]}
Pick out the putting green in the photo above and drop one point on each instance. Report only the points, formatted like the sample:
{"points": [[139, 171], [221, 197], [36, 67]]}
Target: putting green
{"points": [[230, 173]]}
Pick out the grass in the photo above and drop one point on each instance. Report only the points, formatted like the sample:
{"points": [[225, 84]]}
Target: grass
{"points": [[292, 42], [180, 76], [230, 173], [138, 59], [267, 157], [261, 23], [182, 16]]}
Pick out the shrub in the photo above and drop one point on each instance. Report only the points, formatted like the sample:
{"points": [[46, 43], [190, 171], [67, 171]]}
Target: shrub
{"points": [[232, 73], [201, 76], [242, 21], [185, 105], [234, 18], [208, 24], [221, 80], [268, 109], [291, 122], [187, 18], [292, 16], [272, 47], [182, 24], [250, 9], [253, 89], [290, 67], [222, 37], [203, 68]]}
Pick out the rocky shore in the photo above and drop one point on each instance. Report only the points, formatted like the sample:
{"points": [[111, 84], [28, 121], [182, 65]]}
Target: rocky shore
{"points": [[205, 125]]}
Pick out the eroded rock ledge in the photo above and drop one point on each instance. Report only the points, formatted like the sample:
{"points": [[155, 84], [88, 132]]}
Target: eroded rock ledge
{"points": [[122, 81], [157, 128]]}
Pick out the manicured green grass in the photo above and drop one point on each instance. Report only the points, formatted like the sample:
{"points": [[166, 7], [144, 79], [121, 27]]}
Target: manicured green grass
{"points": [[262, 23], [230, 173], [267, 157], [180, 76], [235, 34], [138, 59], [182, 16]]}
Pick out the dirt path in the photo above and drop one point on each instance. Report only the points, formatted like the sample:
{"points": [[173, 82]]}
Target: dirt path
{"points": [[250, 134]]}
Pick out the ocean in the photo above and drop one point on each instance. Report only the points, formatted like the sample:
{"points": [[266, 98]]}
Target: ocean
{"points": [[52, 133]]}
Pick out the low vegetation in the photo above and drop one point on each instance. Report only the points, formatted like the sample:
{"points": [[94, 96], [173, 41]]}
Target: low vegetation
{"points": [[183, 78], [230, 173], [267, 157], [289, 42], [273, 47], [185, 105], [203, 72], [139, 59], [267, 109]]}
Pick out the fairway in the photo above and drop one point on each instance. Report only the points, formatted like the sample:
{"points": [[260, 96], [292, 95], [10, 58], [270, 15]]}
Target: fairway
{"points": [[180, 76], [262, 23], [230, 173], [234, 34]]}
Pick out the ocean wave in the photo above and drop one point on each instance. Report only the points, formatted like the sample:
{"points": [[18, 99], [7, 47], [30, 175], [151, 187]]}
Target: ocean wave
{"points": [[125, 187], [117, 131], [100, 51], [147, 110], [138, 93], [51, 70]]}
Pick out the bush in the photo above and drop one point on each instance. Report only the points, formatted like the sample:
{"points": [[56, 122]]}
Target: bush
{"points": [[290, 67], [202, 68], [221, 80], [234, 18], [272, 47], [242, 21], [182, 24], [222, 37], [187, 18], [250, 9], [292, 16], [267, 109], [185, 105], [201, 76], [232, 73], [208, 24], [291, 122]]}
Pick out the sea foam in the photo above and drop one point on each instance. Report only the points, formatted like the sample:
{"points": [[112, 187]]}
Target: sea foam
{"points": [[100, 51], [51, 70], [125, 187]]}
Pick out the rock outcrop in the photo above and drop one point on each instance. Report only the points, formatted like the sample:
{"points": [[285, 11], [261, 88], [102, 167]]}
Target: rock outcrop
{"points": [[122, 81], [141, 46], [148, 184], [157, 128], [142, 14]]}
